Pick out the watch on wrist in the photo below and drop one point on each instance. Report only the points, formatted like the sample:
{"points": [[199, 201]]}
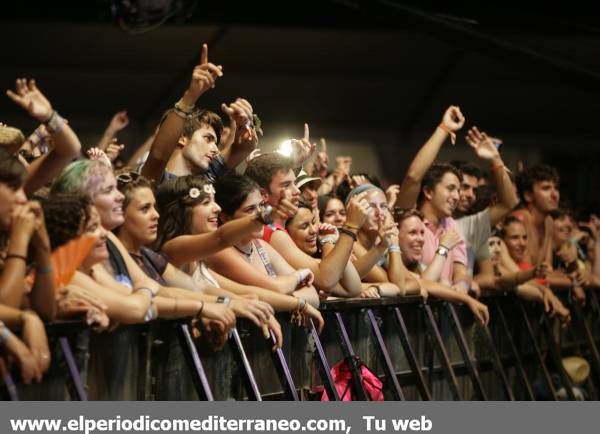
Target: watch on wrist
{"points": [[442, 251]]}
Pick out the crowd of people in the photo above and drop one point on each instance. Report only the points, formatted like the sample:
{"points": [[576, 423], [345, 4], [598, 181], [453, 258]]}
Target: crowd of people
{"points": [[178, 232]]}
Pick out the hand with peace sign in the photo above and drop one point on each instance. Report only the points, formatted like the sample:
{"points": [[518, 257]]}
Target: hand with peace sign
{"points": [[204, 77]]}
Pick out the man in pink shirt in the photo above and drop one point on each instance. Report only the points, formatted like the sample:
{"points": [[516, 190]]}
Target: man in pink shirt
{"points": [[437, 201], [435, 189]]}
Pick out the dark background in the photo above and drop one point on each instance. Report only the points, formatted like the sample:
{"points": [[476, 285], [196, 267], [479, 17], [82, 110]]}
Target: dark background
{"points": [[374, 77]]}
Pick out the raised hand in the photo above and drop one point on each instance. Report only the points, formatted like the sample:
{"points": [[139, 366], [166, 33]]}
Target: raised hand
{"points": [[240, 113], [29, 97], [118, 122], [388, 232], [321, 160], [285, 209], [453, 119], [356, 180], [253, 155], [391, 194], [114, 150], [23, 221], [303, 149], [357, 210], [593, 227], [204, 77], [482, 144], [99, 155], [328, 230]]}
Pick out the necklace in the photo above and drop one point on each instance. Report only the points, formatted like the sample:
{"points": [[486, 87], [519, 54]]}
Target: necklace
{"points": [[247, 254]]}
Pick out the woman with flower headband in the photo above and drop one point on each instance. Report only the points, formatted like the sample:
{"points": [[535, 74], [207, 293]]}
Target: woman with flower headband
{"points": [[139, 231], [141, 227], [191, 237]]}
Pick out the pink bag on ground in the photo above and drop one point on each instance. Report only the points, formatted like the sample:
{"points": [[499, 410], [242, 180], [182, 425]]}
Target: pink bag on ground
{"points": [[342, 377]]}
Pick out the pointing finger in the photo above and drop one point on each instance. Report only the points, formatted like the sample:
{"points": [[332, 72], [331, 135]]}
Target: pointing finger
{"points": [[204, 55]]}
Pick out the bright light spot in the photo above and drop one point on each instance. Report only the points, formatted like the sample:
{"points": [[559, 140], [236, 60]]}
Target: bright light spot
{"points": [[286, 148]]}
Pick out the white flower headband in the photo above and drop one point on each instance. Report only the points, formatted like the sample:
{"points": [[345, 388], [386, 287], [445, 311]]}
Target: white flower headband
{"points": [[194, 192]]}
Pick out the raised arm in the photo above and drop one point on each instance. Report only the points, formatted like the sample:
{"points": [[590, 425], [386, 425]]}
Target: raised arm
{"points": [[42, 294], [204, 77], [484, 148], [12, 277], [228, 263], [329, 271], [118, 122], [66, 143], [242, 128], [188, 248], [452, 121]]}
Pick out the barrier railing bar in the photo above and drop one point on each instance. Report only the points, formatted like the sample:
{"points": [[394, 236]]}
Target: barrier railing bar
{"points": [[144, 372], [287, 382], [464, 350], [581, 351], [438, 345], [324, 368], [76, 389], [194, 363], [8, 382], [388, 366], [579, 320], [411, 357], [239, 354], [497, 364], [520, 370], [553, 347], [351, 359], [536, 349]]}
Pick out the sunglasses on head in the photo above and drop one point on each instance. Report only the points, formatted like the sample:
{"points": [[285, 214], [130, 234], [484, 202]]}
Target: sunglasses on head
{"points": [[126, 178]]}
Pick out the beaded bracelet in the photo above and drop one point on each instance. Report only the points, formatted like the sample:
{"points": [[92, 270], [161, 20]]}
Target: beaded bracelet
{"points": [[344, 230], [55, 123], [394, 248]]}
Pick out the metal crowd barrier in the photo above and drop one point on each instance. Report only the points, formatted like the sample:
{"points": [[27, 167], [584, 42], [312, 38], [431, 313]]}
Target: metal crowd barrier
{"points": [[419, 351]]}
